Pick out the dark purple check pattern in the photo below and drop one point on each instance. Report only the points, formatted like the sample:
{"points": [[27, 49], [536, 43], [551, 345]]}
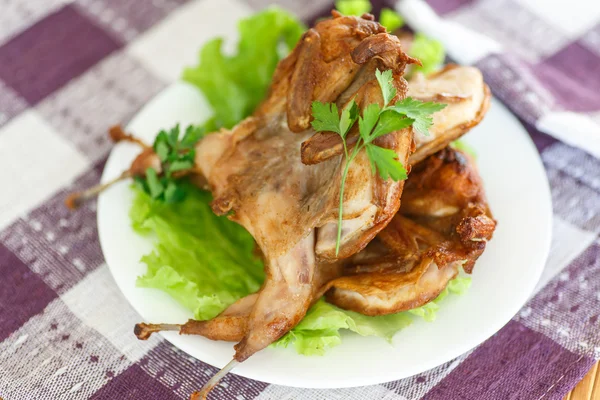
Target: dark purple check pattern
{"points": [[69, 69]]}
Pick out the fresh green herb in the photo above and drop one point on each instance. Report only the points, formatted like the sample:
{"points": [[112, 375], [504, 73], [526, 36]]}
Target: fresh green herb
{"points": [[388, 90], [353, 7], [386, 161], [155, 186], [420, 112], [176, 155], [235, 84], [327, 117], [390, 19], [374, 122], [429, 51]]}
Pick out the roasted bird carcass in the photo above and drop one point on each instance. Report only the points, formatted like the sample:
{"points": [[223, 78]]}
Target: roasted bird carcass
{"points": [[469, 98], [256, 174], [460, 86], [291, 209]]}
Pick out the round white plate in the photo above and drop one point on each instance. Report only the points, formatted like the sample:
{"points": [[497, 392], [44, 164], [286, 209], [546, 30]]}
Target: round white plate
{"points": [[503, 280]]}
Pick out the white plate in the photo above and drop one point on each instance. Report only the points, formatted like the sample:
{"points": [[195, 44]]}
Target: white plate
{"points": [[503, 279]]}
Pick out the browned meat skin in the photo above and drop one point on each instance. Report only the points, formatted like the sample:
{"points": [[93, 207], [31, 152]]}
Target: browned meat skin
{"points": [[444, 222], [117, 134], [467, 98], [280, 320], [283, 299], [360, 225], [462, 88], [386, 195], [319, 68]]}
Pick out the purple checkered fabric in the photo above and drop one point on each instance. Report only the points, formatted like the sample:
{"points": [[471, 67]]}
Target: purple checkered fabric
{"points": [[71, 68]]}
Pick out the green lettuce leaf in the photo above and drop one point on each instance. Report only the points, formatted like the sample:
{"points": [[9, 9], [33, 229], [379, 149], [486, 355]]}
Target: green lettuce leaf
{"points": [[235, 84], [353, 7], [320, 328], [459, 285], [203, 261], [429, 51], [390, 19]]}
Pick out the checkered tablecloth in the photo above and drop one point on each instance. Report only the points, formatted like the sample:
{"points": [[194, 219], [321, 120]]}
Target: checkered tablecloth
{"points": [[70, 69]]}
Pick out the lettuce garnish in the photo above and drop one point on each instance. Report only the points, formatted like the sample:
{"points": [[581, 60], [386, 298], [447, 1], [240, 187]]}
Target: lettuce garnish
{"points": [[203, 261], [320, 328], [429, 51], [235, 84]]}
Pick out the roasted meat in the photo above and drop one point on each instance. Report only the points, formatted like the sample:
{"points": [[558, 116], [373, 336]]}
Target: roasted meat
{"points": [[256, 176], [444, 223], [467, 98], [396, 271], [460, 87]]}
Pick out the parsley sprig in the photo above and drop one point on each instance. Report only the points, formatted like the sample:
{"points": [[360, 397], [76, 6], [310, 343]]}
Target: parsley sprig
{"points": [[375, 122], [176, 156]]}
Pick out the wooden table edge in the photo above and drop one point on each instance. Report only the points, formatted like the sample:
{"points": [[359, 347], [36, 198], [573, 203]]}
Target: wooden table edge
{"points": [[588, 388]]}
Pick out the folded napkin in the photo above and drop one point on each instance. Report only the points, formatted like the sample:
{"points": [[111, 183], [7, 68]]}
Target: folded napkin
{"points": [[542, 59], [69, 69]]}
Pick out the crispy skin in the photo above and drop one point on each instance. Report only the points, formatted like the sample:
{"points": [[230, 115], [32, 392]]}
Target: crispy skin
{"points": [[461, 88], [319, 68], [256, 176], [381, 293], [467, 98], [444, 222]]}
